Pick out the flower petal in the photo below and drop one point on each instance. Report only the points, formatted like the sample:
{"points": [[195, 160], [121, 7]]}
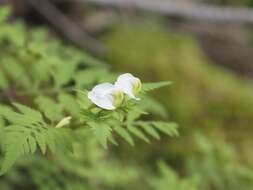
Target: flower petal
{"points": [[126, 82], [102, 96]]}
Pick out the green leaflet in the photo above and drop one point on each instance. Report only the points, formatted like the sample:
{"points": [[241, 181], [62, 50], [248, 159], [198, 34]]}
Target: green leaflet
{"points": [[26, 133], [137, 132], [63, 73], [51, 109], [124, 134], [69, 104], [101, 131], [152, 86]]}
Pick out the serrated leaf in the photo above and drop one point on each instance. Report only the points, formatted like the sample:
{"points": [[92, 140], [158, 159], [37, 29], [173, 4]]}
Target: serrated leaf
{"points": [[29, 133], [16, 71], [167, 128], [16, 118], [149, 129], [124, 134], [153, 106], [32, 144], [51, 109], [152, 86], [83, 100], [33, 115], [102, 132], [113, 141], [63, 73], [133, 115], [40, 138], [137, 132], [50, 140], [15, 145], [69, 104]]}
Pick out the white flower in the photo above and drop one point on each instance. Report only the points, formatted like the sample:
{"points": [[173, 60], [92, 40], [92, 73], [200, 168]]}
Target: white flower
{"points": [[129, 84], [106, 96]]}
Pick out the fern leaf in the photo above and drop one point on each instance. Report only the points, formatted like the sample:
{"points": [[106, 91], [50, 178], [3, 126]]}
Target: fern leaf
{"points": [[32, 144], [15, 145], [63, 73], [51, 109], [102, 132], [28, 133], [149, 129], [41, 140], [50, 140], [155, 85], [167, 128], [16, 118], [34, 116], [137, 132], [124, 134], [133, 115], [69, 104], [153, 106], [16, 71]]}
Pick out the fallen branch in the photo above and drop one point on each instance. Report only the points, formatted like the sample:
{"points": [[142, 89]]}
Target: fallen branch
{"points": [[69, 29], [191, 11]]}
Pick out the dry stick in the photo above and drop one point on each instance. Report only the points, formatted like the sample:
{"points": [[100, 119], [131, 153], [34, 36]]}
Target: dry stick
{"points": [[184, 10], [69, 29]]}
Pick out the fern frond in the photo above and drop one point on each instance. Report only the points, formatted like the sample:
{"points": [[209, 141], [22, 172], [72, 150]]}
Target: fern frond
{"points": [[16, 71], [51, 109], [124, 134], [28, 131], [152, 86], [102, 132], [168, 128], [69, 104], [63, 73], [34, 116], [138, 133], [149, 129], [153, 106]]}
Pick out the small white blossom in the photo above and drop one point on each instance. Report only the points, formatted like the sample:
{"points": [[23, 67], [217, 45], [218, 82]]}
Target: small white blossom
{"points": [[129, 84], [106, 96]]}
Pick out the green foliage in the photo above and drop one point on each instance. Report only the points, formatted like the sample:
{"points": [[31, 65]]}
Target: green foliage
{"points": [[153, 86], [124, 121], [26, 131], [203, 96], [217, 166], [52, 139], [169, 179]]}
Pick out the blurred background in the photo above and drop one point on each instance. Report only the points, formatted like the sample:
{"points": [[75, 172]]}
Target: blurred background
{"points": [[204, 46]]}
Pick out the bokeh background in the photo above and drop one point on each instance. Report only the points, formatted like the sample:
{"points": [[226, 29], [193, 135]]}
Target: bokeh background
{"points": [[204, 46]]}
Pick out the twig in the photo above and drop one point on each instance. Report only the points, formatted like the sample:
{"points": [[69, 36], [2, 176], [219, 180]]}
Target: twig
{"points": [[191, 11], [70, 29]]}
